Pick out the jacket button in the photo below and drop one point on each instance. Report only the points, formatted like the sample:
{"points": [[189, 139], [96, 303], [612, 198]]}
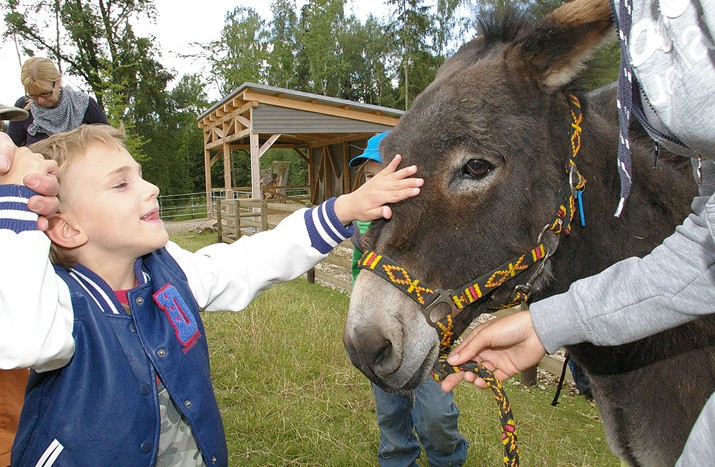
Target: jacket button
{"points": [[161, 353], [214, 460], [146, 447], [132, 327], [187, 404], [145, 389], [139, 300]]}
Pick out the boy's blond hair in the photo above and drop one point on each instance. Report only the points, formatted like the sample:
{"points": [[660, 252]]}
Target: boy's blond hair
{"points": [[38, 75], [66, 149]]}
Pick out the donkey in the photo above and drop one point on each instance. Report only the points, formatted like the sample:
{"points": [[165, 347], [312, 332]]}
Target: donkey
{"points": [[491, 136]]}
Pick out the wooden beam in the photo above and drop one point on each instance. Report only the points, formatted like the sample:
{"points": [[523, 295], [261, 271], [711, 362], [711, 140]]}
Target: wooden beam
{"points": [[321, 108], [213, 119], [227, 171], [241, 134], [255, 166], [207, 180], [267, 145]]}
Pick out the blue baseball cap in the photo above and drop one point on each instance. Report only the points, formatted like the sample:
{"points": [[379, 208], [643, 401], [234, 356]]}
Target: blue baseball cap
{"points": [[372, 151]]}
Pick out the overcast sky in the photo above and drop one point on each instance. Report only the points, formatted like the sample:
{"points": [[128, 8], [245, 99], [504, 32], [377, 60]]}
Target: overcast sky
{"points": [[179, 22]]}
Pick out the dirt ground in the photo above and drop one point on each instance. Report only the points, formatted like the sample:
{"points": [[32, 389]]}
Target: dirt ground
{"points": [[191, 225]]}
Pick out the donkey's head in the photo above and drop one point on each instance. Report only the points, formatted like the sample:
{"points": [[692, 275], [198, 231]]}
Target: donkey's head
{"points": [[491, 137]]}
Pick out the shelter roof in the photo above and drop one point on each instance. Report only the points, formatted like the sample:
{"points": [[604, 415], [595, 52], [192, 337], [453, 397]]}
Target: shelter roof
{"points": [[298, 117]]}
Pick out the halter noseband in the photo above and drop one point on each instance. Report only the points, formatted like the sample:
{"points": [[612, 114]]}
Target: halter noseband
{"points": [[429, 299]]}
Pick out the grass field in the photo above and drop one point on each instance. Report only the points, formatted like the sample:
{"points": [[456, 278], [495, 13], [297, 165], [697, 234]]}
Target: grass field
{"points": [[290, 396]]}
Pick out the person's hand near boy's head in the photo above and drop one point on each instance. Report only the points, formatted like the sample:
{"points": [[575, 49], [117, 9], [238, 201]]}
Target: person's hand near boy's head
{"points": [[370, 201], [20, 166]]}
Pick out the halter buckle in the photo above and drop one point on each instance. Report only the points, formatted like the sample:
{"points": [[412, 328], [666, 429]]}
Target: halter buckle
{"points": [[551, 247], [443, 297]]}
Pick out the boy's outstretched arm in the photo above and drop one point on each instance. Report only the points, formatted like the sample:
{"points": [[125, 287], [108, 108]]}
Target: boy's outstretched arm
{"points": [[369, 202], [504, 345]]}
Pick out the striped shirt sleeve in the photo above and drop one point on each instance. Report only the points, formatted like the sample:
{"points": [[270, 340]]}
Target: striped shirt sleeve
{"points": [[14, 213], [324, 228]]}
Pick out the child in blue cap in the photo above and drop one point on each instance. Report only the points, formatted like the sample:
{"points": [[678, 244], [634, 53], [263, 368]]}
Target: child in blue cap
{"points": [[424, 415]]}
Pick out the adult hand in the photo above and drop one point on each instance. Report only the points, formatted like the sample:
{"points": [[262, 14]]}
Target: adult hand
{"points": [[504, 345], [44, 182]]}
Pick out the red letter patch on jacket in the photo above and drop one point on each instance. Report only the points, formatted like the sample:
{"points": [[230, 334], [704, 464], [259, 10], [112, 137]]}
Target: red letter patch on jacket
{"points": [[179, 314]]}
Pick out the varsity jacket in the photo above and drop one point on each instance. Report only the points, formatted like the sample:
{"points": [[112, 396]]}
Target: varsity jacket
{"points": [[92, 397]]}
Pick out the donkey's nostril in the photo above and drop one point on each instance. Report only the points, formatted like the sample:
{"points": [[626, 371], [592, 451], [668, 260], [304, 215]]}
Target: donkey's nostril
{"points": [[379, 353]]}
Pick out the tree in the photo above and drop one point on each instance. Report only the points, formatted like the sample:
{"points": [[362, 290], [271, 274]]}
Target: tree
{"points": [[321, 21], [240, 54], [93, 36], [449, 28], [412, 26], [96, 39], [281, 62]]}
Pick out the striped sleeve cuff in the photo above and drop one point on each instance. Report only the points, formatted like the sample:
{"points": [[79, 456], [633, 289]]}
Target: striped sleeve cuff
{"points": [[14, 213], [324, 228]]}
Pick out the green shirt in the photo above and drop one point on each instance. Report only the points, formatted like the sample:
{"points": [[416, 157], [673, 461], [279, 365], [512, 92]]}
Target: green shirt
{"points": [[357, 254]]}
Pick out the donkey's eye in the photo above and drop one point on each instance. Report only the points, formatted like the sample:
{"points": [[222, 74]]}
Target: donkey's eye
{"points": [[476, 168]]}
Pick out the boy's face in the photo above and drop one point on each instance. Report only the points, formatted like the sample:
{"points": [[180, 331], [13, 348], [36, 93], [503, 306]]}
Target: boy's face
{"points": [[371, 169], [105, 195]]}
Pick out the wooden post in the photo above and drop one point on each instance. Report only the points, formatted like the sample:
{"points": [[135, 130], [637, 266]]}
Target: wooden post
{"points": [[528, 377], [219, 227], [207, 178], [237, 208], [264, 214]]}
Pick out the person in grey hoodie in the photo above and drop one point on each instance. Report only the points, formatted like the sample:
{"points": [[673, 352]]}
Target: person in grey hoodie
{"points": [[668, 84]]}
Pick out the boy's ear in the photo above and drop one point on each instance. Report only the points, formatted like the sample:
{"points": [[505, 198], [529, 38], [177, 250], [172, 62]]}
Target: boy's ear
{"points": [[65, 234]]}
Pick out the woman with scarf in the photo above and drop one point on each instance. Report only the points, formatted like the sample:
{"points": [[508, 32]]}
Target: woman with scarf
{"points": [[53, 108]]}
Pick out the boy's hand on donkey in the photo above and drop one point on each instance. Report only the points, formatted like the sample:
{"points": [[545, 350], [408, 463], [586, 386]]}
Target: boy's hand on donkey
{"points": [[370, 201]]}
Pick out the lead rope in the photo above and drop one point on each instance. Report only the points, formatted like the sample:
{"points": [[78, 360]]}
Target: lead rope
{"points": [[442, 369]]}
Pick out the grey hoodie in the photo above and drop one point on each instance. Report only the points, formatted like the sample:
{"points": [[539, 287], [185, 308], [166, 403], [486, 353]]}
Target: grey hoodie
{"points": [[672, 53]]}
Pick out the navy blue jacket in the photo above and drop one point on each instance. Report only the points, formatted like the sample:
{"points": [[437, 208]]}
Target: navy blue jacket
{"points": [[102, 407]]}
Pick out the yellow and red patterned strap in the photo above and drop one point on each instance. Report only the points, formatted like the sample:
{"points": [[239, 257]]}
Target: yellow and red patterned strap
{"points": [[442, 369], [470, 293]]}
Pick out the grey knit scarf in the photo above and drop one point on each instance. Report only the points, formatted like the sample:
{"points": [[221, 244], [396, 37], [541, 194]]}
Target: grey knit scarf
{"points": [[66, 115]]}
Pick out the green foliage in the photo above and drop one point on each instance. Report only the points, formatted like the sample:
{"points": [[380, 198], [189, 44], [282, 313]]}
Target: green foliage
{"points": [[240, 54], [317, 48], [95, 40], [281, 61]]}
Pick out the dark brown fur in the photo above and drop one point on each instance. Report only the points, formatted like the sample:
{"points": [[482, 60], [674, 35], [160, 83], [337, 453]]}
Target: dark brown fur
{"points": [[502, 98]]}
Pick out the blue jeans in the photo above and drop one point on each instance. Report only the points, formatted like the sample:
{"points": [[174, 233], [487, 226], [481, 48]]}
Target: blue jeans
{"points": [[427, 415]]}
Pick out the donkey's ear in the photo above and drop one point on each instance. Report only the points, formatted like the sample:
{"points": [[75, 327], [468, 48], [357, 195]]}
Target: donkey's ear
{"points": [[562, 41]]}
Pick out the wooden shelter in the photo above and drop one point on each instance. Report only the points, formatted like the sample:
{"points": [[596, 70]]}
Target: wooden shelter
{"points": [[326, 132]]}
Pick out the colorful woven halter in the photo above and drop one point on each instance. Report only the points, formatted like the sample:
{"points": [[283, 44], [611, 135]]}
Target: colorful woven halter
{"points": [[429, 299]]}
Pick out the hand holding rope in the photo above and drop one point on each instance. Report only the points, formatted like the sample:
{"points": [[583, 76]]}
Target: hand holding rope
{"points": [[442, 369]]}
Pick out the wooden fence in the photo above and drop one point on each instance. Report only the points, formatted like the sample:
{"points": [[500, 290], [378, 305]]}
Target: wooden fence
{"points": [[245, 216]]}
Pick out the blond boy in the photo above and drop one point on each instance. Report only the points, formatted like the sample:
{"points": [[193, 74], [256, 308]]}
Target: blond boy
{"points": [[113, 330]]}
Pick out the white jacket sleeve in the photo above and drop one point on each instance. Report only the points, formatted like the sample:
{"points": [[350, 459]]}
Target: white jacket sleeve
{"points": [[229, 277], [35, 308]]}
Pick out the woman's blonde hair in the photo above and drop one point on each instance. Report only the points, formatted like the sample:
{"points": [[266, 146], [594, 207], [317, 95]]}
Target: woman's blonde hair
{"points": [[67, 148], [38, 75]]}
